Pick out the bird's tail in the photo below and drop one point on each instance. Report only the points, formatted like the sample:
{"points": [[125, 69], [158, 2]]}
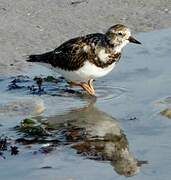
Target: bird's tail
{"points": [[43, 58]]}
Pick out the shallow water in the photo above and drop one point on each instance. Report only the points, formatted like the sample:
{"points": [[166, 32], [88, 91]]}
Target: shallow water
{"points": [[128, 106]]}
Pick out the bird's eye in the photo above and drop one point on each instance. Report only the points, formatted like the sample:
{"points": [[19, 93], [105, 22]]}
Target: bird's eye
{"points": [[120, 34]]}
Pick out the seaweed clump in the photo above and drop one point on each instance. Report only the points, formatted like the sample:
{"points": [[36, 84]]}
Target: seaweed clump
{"points": [[5, 145], [30, 127]]}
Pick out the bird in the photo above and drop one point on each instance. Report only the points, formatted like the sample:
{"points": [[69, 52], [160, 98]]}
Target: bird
{"points": [[83, 59]]}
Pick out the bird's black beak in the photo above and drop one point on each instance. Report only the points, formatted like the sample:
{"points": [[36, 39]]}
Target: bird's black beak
{"points": [[133, 40]]}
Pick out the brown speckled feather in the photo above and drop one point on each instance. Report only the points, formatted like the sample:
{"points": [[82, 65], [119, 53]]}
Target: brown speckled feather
{"points": [[71, 55]]}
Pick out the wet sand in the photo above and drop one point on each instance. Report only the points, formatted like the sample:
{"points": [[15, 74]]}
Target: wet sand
{"points": [[36, 26]]}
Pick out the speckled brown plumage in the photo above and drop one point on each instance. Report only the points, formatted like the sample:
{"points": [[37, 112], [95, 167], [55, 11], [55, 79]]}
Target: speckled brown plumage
{"points": [[71, 55]]}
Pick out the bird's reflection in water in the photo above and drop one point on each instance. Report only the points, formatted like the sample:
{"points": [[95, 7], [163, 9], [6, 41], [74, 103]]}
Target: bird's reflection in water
{"points": [[98, 136]]}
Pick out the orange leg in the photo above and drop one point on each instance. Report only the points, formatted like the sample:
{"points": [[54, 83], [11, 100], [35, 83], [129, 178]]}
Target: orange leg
{"points": [[90, 83], [86, 86]]}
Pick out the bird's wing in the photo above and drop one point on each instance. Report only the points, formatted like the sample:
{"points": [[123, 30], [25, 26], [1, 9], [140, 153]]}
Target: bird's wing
{"points": [[72, 54]]}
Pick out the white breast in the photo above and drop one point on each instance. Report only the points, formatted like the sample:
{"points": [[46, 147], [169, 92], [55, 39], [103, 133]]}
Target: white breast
{"points": [[88, 71], [93, 71]]}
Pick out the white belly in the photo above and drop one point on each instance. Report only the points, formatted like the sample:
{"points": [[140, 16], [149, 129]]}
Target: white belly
{"points": [[88, 71]]}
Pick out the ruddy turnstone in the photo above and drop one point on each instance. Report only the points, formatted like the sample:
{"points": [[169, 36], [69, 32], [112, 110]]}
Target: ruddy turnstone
{"points": [[88, 57]]}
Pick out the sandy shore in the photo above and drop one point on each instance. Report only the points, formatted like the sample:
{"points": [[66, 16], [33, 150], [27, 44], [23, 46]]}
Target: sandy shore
{"points": [[37, 26]]}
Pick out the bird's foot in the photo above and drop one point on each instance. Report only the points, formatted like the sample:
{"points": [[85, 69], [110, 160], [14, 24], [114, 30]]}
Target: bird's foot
{"points": [[90, 83], [90, 90], [88, 87]]}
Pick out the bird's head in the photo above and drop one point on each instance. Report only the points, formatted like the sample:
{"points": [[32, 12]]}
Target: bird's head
{"points": [[120, 35]]}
